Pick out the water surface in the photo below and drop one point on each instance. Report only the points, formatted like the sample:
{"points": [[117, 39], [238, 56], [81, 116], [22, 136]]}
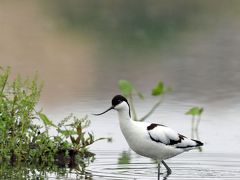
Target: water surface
{"points": [[195, 51], [187, 166]]}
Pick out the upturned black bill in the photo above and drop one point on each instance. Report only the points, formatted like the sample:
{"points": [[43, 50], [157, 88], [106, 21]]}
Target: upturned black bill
{"points": [[104, 111]]}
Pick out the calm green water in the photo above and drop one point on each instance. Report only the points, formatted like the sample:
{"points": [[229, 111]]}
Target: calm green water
{"points": [[82, 49]]}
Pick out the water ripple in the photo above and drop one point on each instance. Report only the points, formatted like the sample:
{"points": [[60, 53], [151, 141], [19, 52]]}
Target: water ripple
{"points": [[189, 166]]}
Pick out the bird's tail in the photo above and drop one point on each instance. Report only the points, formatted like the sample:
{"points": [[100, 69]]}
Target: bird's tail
{"points": [[198, 143]]}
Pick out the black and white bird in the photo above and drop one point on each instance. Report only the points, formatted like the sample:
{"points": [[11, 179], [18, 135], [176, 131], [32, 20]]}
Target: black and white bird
{"points": [[151, 140]]}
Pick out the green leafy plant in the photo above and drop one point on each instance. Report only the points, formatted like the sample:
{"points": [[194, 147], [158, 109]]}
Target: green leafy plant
{"points": [[25, 140], [128, 90], [196, 113]]}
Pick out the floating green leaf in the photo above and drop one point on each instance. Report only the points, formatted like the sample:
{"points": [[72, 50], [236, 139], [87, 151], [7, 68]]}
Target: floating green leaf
{"points": [[159, 89], [125, 87], [195, 111]]}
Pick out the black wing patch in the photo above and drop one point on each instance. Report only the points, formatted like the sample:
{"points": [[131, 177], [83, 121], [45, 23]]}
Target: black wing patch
{"points": [[153, 125], [181, 137]]}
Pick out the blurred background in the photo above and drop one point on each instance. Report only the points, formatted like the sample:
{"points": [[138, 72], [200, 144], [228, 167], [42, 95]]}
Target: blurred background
{"points": [[81, 49]]}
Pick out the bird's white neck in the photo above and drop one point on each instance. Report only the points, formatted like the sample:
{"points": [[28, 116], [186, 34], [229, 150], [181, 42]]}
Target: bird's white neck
{"points": [[125, 121], [124, 115]]}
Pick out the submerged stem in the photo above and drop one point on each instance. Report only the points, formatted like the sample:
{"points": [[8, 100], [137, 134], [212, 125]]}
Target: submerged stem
{"points": [[198, 122], [197, 138], [192, 133]]}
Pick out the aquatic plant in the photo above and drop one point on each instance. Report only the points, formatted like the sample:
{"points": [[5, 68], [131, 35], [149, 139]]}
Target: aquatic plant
{"points": [[24, 130], [124, 157], [128, 90], [196, 113]]}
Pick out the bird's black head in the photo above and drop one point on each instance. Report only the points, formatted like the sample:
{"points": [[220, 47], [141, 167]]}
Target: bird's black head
{"points": [[116, 100]]}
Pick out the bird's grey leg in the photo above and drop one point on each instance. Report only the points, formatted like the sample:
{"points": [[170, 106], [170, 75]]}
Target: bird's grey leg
{"points": [[169, 171], [158, 170]]}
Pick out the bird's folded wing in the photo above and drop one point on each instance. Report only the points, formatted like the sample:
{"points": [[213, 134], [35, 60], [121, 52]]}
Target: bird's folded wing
{"points": [[163, 134], [167, 136]]}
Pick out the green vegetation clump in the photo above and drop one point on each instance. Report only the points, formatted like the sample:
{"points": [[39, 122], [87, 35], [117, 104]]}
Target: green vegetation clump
{"points": [[125, 157], [24, 131]]}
